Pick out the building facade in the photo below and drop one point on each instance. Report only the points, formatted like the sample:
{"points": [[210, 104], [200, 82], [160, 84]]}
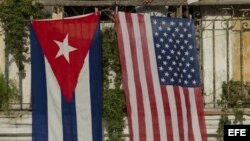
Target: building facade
{"points": [[223, 42]]}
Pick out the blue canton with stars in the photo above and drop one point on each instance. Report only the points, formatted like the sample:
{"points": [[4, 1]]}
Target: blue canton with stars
{"points": [[176, 54]]}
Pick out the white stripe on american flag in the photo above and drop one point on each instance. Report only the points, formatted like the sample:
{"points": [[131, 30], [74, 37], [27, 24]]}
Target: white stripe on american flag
{"points": [[184, 113], [131, 84], [145, 93], [55, 129], [83, 104], [194, 115], [155, 76], [173, 111], [124, 74], [149, 78], [190, 131], [138, 86]]}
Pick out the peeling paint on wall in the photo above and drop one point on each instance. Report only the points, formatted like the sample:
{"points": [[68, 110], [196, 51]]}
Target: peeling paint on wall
{"points": [[215, 71], [246, 54]]}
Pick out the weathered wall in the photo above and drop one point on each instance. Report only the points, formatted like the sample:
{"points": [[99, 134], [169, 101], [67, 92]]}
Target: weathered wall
{"points": [[1, 51], [246, 54], [215, 70], [13, 73]]}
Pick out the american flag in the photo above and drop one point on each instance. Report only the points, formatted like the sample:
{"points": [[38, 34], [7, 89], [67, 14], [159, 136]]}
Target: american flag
{"points": [[161, 78]]}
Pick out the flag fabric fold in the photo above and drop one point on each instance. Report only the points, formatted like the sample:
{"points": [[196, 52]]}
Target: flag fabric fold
{"points": [[66, 79], [161, 78]]}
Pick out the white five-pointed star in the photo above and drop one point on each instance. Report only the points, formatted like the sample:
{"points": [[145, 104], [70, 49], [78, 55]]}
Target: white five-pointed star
{"points": [[64, 48]]}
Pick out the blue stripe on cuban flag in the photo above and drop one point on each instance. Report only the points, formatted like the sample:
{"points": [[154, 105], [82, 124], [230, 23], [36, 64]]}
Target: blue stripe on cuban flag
{"points": [[54, 119]]}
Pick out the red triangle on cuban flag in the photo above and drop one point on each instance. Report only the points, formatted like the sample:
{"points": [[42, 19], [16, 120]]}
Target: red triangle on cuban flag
{"points": [[65, 44]]}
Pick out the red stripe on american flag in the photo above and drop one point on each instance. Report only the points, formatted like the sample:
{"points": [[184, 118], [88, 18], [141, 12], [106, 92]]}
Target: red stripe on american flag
{"points": [[124, 74], [138, 87], [151, 92], [200, 111], [168, 118], [190, 131], [179, 112]]}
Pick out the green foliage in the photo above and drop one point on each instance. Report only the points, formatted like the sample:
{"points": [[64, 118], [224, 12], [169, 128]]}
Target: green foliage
{"points": [[113, 113], [14, 19], [113, 98], [231, 93], [234, 99], [224, 120], [8, 93]]}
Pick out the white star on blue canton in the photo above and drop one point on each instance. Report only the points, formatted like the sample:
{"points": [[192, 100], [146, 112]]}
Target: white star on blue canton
{"points": [[172, 23], [187, 53], [191, 58], [159, 57], [165, 62], [176, 29], [160, 28], [172, 79], [166, 74], [194, 82], [155, 22], [184, 70], [186, 82], [181, 35], [180, 24], [161, 68], [170, 68], [175, 74], [162, 80], [174, 46], [170, 40], [163, 51]]}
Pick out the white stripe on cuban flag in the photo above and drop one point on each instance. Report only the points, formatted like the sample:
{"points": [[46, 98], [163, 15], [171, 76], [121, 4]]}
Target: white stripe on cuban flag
{"points": [[83, 105], [55, 129]]}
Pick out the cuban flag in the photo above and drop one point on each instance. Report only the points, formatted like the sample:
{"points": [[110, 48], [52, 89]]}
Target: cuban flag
{"points": [[66, 79]]}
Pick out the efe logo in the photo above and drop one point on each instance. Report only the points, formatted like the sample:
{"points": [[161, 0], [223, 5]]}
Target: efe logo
{"points": [[233, 132], [236, 132]]}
